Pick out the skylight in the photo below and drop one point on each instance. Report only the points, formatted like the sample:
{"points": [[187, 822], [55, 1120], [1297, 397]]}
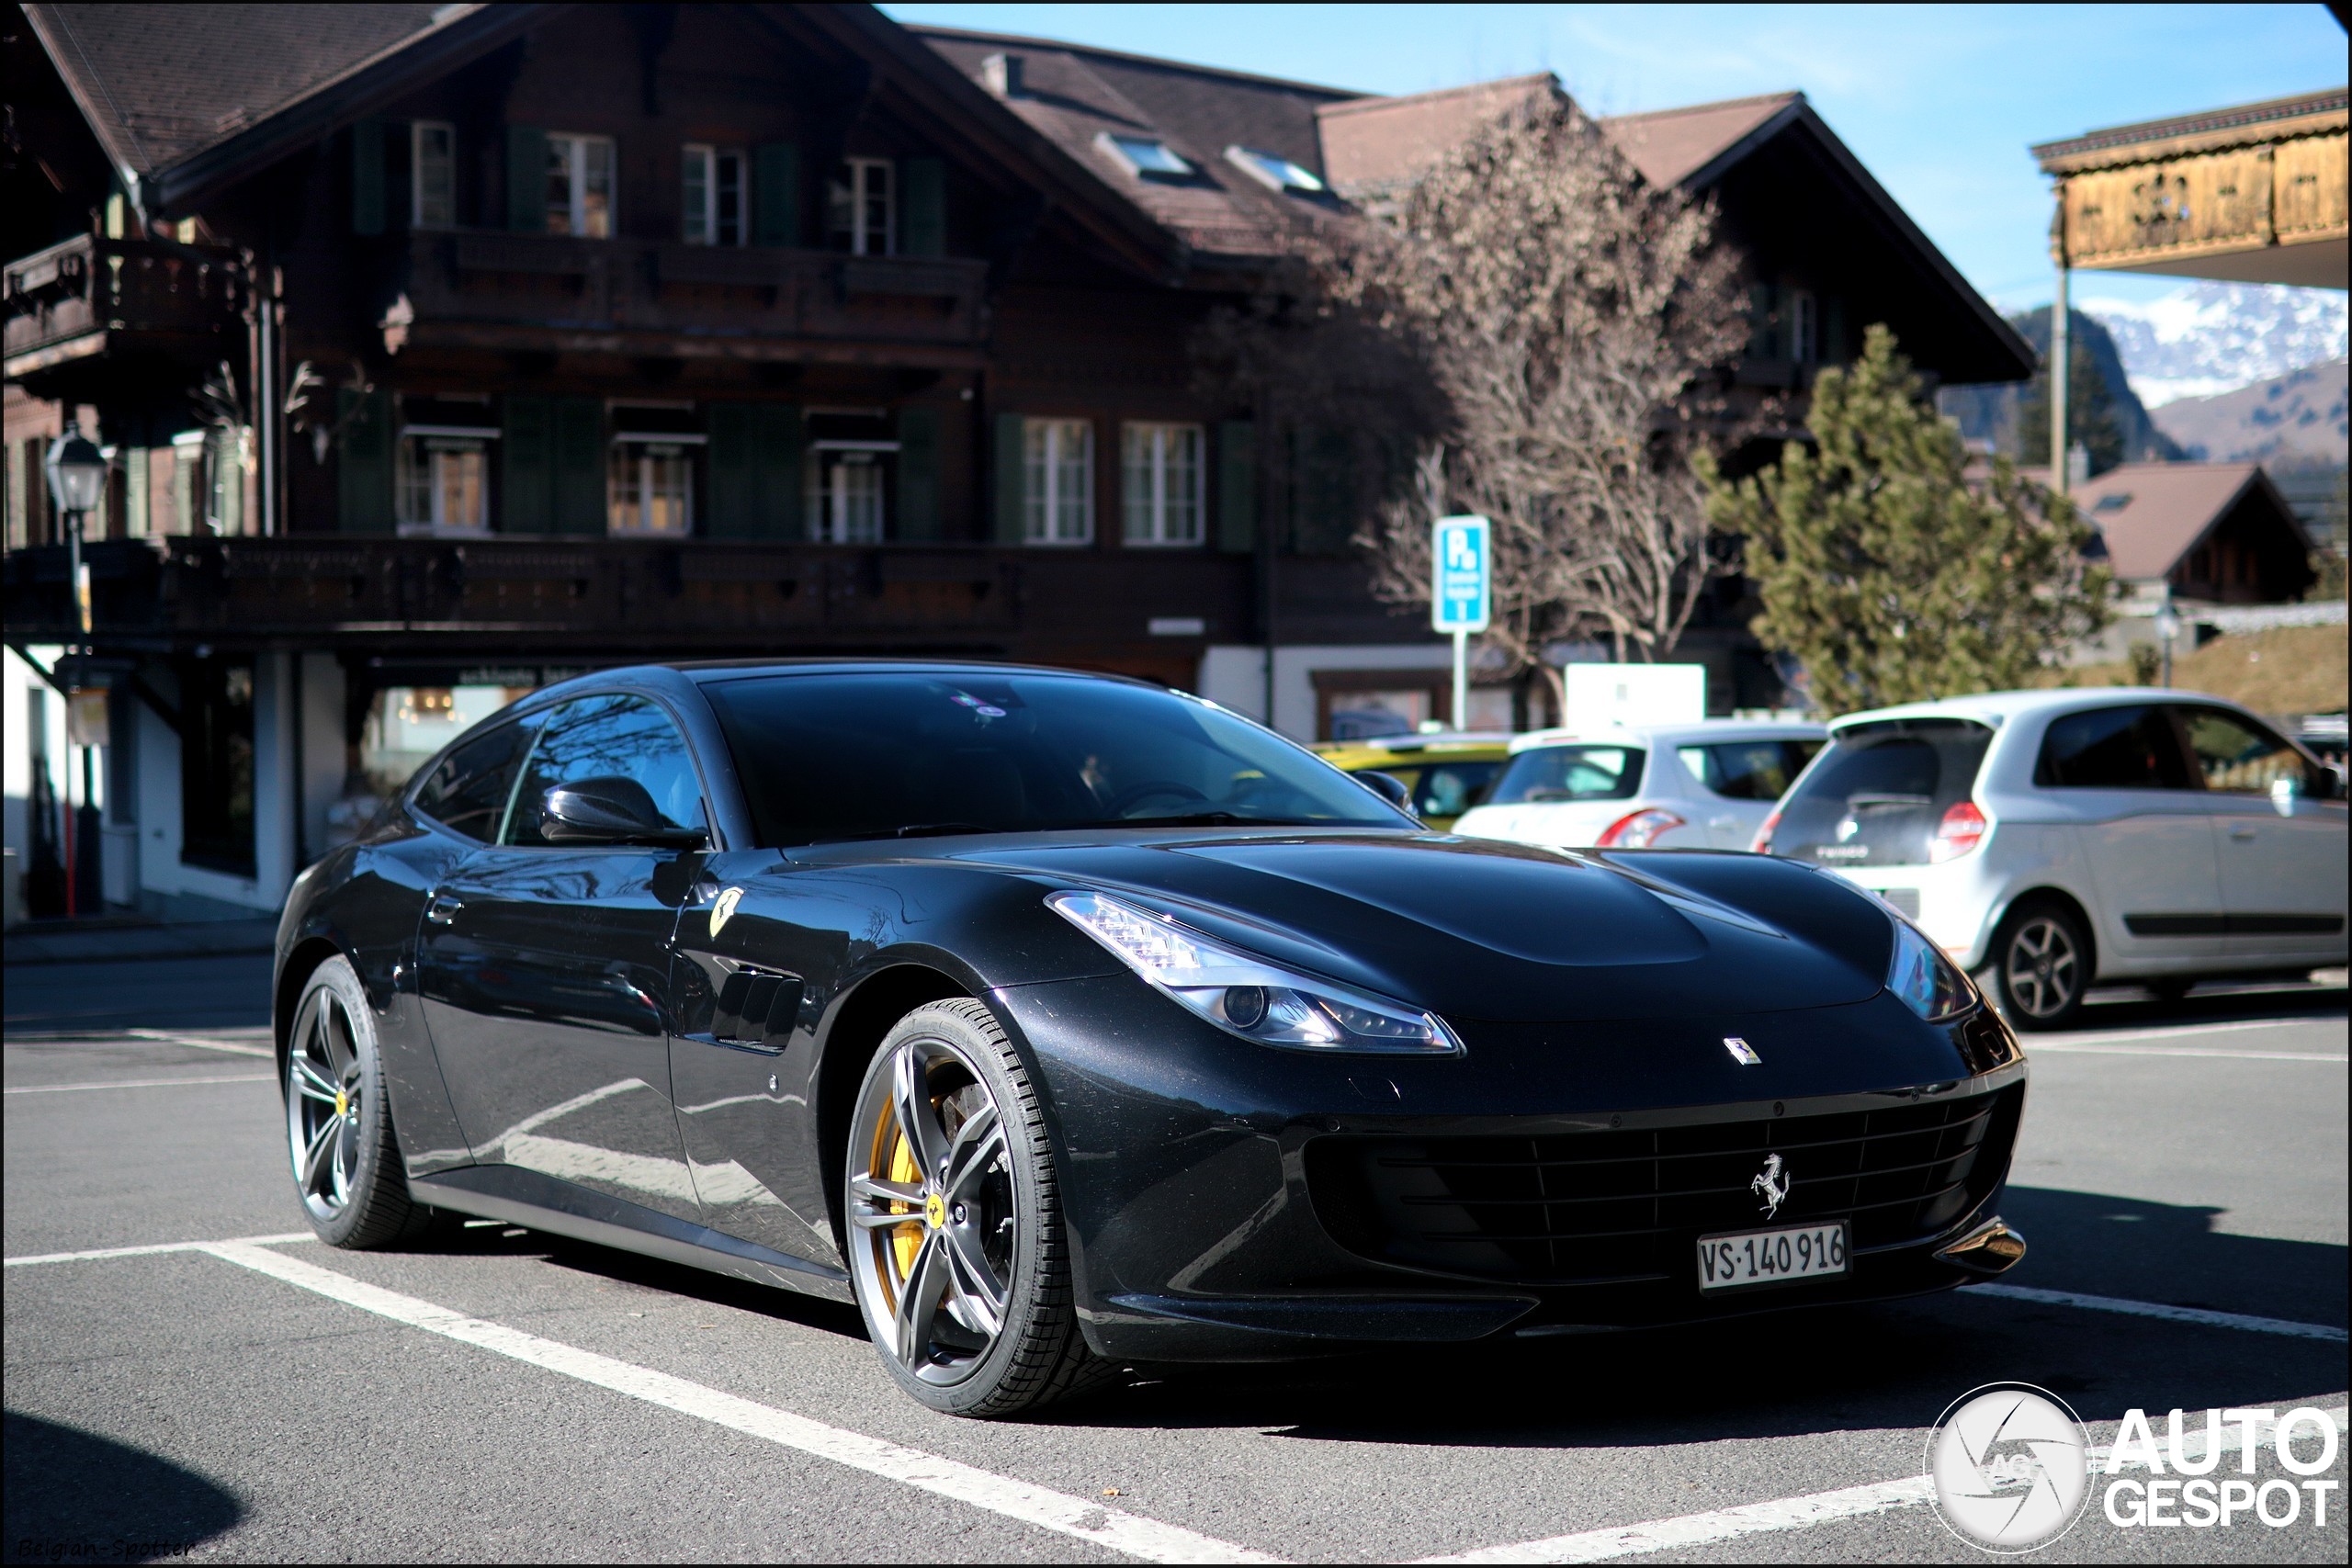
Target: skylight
{"points": [[1274, 171], [1145, 155]]}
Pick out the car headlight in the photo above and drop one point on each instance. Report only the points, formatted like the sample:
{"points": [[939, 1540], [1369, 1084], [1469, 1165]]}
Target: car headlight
{"points": [[1245, 995], [1930, 983]]}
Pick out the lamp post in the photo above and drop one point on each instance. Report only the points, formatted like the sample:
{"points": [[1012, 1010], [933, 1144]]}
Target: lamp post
{"points": [[2167, 628], [77, 477]]}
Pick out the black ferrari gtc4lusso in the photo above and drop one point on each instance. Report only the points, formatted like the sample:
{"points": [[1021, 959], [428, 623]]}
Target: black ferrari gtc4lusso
{"points": [[1061, 1021]]}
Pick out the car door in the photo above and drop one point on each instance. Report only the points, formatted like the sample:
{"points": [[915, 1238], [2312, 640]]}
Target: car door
{"points": [[545, 970], [2281, 853], [2144, 824]]}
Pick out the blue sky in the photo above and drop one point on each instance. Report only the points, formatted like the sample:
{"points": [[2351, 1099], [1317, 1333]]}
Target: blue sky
{"points": [[1940, 101]]}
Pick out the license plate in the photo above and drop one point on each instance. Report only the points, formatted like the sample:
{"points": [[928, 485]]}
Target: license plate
{"points": [[1743, 1258]]}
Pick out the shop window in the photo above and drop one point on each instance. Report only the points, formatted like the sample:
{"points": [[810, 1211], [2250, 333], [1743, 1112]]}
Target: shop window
{"points": [[217, 764], [407, 726]]}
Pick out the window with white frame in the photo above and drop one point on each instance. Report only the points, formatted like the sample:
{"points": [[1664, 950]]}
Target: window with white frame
{"points": [[715, 205], [580, 185], [1160, 475], [860, 208], [432, 174], [1804, 328], [847, 492], [1057, 481], [444, 484], [652, 487]]}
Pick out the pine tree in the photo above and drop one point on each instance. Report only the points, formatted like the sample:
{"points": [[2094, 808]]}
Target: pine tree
{"points": [[1886, 572]]}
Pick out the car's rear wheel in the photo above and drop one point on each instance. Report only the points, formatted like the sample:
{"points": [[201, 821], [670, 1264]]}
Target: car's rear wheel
{"points": [[954, 1231], [339, 1136], [2041, 964]]}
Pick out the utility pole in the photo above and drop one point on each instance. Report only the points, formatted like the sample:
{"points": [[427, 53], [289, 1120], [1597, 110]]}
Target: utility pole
{"points": [[2061, 363]]}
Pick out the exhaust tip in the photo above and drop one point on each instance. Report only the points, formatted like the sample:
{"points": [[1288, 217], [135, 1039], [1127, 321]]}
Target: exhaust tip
{"points": [[1993, 1247]]}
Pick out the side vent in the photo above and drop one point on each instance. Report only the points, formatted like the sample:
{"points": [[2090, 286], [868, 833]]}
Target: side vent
{"points": [[756, 1007]]}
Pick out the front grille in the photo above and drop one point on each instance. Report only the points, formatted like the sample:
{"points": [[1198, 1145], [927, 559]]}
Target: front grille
{"points": [[1587, 1208]]}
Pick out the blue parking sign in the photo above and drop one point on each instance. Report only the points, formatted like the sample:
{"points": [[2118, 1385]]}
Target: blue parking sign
{"points": [[1462, 572]]}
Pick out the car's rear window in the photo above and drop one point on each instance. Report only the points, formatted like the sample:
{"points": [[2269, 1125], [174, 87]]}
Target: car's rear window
{"points": [[1570, 772], [1875, 795]]}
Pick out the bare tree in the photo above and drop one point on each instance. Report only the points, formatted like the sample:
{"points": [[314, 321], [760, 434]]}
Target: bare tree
{"points": [[1571, 321]]}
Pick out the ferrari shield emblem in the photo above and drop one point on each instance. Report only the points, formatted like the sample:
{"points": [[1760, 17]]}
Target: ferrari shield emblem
{"points": [[723, 911]]}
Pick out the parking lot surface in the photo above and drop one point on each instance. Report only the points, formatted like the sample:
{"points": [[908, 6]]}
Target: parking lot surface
{"points": [[498, 1394]]}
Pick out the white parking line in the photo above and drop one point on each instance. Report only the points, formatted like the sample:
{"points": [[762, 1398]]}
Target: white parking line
{"points": [[1123, 1532], [140, 1083], [2041, 1046], [1787, 1513], [2319, 1331], [2170, 1031], [155, 1248], [166, 1037]]}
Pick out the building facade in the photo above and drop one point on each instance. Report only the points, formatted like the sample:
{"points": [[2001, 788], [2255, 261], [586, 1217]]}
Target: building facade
{"points": [[440, 351]]}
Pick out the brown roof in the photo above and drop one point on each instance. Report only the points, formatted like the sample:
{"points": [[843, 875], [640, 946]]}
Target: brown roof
{"points": [[1669, 146], [1372, 146], [2151, 515], [2243, 123]]}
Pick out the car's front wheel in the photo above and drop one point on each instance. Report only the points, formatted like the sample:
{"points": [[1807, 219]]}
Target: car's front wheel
{"points": [[955, 1229], [347, 1158], [2041, 964]]}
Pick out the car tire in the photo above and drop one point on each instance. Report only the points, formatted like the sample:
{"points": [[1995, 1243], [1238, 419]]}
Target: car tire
{"points": [[2042, 966], [952, 1212], [348, 1174], [2170, 991]]}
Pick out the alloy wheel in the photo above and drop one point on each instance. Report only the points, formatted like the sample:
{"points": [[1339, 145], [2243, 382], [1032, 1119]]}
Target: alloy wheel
{"points": [[2041, 970], [324, 1100], [932, 1212]]}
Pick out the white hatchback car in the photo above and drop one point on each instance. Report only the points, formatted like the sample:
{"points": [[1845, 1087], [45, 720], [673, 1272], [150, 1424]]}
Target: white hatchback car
{"points": [[1703, 785], [2058, 837]]}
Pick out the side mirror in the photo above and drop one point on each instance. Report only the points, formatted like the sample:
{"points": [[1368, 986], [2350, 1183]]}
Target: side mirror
{"points": [[1390, 789], [608, 811], [2284, 790]]}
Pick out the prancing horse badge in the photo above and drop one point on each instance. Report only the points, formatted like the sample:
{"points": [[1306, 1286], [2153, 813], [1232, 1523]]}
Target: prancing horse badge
{"points": [[1741, 1051], [723, 911]]}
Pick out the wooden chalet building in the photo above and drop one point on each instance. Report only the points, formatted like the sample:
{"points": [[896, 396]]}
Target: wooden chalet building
{"points": [[441, 350]]}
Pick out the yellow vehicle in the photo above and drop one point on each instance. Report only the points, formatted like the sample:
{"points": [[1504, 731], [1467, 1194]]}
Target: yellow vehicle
{"points": [[1446, 773]]}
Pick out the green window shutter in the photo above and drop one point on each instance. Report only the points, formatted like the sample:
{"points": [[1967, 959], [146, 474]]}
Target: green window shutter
{"points": [[776, 428], [918, 473], [732, 509], [776, 193], [579, 466], [368, 177], [1236, 485], [364, 470], [922, 217], [526, 179], [527, 468], [1012, 467]]}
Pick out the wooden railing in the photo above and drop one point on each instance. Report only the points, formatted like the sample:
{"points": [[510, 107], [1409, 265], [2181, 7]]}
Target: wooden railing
{"points": [[58, 301]]}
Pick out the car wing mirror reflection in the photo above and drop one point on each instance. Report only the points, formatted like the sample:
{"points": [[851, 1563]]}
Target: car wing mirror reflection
{"points": [[1389, 787]]}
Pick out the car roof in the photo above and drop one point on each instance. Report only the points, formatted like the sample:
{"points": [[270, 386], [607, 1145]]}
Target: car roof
{"points": [[1692, 733], [1997, 707]]}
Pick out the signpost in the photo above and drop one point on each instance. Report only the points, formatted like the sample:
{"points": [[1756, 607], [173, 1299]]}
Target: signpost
{"points": [[1462, 572]]}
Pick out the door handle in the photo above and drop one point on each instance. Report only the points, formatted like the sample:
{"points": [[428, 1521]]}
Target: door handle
{"points": [[444, 909], [2242, 835]]}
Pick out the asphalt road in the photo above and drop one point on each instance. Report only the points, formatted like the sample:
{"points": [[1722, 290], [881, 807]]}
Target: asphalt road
{"points": [[514, 1396]]}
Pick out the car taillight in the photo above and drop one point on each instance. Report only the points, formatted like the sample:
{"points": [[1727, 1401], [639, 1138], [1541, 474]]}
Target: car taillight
{"points": [[1763, 844], [1637, 829], [1963, 829]]}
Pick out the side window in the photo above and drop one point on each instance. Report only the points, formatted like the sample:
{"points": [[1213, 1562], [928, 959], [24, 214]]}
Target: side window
{"points": [[2237, 757], [2122, 747], [1747, 769], [604, 737], [1449, 789], [467, 794]]}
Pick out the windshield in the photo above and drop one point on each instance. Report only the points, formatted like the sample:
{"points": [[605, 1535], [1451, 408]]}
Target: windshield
{"points": [[1570, 772], [855, 755], [1875, 796]]}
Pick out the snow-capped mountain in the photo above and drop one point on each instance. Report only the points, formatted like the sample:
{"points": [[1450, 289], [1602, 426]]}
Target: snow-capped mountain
{"points": [[2204, 339]]}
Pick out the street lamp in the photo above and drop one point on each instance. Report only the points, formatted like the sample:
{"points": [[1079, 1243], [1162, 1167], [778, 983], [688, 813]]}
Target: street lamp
{"points": [[2167, 628], [77, 477]]}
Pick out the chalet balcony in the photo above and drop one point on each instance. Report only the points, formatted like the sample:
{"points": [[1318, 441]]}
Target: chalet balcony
{"points": [[600, 598], [89, 302], [562, 293]]}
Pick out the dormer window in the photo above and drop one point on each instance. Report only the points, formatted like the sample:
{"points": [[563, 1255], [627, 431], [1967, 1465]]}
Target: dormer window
{"points": [[1274, 171], [1145, 155]]}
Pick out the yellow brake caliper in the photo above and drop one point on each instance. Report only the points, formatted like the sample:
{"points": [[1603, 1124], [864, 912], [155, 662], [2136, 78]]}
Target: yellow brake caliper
{"points": [[905, 1239]]}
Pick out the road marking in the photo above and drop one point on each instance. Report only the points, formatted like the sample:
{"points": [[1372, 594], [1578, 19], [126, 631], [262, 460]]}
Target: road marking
{"points": [[1079, 1517], [155, 1249], [166, 1037], [140, 1083], [1788, 1514], [2159, 1309], [2175, 1031], [2041, 1046]]}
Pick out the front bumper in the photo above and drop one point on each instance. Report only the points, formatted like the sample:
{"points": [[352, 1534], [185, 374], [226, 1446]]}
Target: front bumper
{"points": [[1218, 1209]]}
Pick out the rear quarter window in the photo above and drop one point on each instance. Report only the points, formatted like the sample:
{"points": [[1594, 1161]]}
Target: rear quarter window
{"points": [[1875, 795], [2118, 747], [1749, 769]]}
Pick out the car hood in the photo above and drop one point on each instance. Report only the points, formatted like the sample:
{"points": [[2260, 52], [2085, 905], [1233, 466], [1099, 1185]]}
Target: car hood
{"points": [[1482, 929]]}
